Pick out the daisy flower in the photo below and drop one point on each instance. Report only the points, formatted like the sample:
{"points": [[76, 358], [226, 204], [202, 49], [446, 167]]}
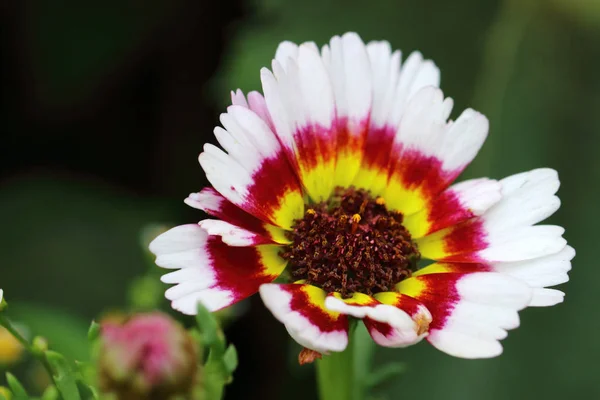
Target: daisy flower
{"points": [[333, 197]]}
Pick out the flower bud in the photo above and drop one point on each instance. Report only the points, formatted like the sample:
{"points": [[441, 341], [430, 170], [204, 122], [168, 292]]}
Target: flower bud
{"points": [[10, 348], [149, 356]]}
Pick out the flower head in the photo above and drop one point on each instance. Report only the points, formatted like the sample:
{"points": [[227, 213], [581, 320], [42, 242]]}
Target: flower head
{"points": [[148, 356], [342, 176]]}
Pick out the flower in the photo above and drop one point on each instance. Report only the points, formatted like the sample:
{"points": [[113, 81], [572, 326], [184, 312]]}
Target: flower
{"points": [[340, 181], [146, 357]]}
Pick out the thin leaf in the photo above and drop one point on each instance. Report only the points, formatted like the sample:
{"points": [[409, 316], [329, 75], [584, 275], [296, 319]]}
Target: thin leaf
{"points": [[64, 376]]}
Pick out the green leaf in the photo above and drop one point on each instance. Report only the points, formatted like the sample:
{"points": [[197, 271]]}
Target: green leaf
{"points": [[16, 387], [64, 376], [208, 326], [230, 359]]}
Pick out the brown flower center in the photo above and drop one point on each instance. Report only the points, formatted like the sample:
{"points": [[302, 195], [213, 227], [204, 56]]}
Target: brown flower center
{"points": [[351, 244]]}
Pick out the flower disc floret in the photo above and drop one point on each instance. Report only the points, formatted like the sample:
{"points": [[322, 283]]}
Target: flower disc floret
{"points": [[350, 244]]}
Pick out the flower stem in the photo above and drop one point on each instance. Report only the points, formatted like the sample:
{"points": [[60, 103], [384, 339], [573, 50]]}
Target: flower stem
{"points": [[338, 377], [335, 376]]}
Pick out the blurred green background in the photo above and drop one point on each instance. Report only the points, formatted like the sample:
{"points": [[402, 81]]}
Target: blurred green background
{"points": [[105, 107]]}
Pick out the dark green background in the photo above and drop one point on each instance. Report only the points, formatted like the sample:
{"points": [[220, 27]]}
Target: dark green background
{"points": [[105, 108]]}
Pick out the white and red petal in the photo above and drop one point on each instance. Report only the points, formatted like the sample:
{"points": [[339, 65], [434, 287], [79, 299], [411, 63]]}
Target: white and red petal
{"points": [[209, 271], [348, 65], [214, 204], [458, 203], [301, 308], [470, 312], [300, 99], [538, 273], [254, 174], [429, 152], [399, 322], [393, 86], [233, 235], [504, 232]]}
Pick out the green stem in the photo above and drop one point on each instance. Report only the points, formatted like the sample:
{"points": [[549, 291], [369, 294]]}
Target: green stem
{"points": [[335, 376], [338, 375], [34, 352]]}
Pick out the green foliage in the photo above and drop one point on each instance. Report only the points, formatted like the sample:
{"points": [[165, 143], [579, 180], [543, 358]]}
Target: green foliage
{"points": [[221, 362], [63, 375]]}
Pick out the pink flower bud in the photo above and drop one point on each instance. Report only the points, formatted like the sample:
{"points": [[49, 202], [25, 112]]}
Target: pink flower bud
{"points": [[149, 356]]}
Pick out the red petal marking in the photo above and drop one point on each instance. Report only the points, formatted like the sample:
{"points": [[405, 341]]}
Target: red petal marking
{"points": [[381, 327], [404, 302], [439, 295], [465, 268], [238, 269], [303, 304], [273, 180], [314, 145], [229, 212], [446, 210], [347, 141], [378, 145], [464, 240], [418, 171]]}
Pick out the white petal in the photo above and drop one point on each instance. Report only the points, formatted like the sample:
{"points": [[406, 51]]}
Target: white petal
{"points": [[528, 198], [385, 70], [546, 297], [463, 139], [286, 52], [415, 75], [350, 74], [540, 272], [477, 195], [523, 243], [205, 200]]}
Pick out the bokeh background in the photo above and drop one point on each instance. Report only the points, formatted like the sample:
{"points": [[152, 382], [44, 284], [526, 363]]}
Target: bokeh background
{"points": [[105, 107]]}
